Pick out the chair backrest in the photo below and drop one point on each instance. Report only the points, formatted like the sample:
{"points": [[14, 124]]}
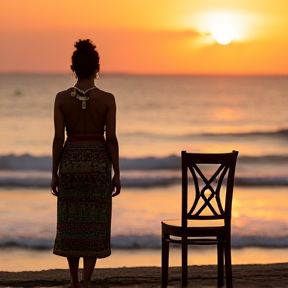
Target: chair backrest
{"points": [[207, 187]]}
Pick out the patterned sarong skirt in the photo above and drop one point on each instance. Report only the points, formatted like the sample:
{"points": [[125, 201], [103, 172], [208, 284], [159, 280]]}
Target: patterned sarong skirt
{"points": [[84, 199]]}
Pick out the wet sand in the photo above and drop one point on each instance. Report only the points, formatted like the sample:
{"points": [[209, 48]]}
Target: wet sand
{"points": [[248, 276]]}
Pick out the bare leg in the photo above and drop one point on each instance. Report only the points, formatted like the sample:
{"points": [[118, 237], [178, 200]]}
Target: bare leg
{"points": [[73, 268], [89, 264]]}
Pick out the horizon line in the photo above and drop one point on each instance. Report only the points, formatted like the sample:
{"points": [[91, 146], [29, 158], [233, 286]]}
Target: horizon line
{"points": [[146, 74]]}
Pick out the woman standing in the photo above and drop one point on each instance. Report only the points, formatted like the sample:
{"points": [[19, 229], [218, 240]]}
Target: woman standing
{"points": [[81, 175]]}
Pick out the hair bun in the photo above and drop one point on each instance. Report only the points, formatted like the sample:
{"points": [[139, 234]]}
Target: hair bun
{"points": [[84, 46], [85, 59]]}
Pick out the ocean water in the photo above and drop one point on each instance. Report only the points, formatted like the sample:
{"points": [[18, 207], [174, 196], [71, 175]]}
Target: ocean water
{"points": [[157, 117]]}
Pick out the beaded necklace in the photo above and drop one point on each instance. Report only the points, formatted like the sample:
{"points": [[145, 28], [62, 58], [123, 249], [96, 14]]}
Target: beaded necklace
{"points": [[81, 97]]}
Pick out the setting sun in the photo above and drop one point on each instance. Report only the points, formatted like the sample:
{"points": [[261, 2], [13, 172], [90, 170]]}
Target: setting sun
{"points": [[223, 33]]}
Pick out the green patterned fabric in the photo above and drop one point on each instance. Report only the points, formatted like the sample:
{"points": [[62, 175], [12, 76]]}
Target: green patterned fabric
{"points": [[84, 200]]}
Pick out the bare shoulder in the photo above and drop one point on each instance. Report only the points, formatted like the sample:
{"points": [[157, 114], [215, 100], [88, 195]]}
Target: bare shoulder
{"points": [[60, 96], [107, 97]]}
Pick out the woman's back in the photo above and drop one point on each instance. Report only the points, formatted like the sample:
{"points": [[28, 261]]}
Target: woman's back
{"points": [[92, 119]]}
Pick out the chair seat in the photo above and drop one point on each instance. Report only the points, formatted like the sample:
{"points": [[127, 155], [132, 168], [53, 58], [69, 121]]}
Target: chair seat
{"points": [[195, 223], [195, 228]]}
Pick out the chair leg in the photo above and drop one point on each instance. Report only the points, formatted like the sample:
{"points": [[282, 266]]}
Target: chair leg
{"points": [[220, 264], [164, 262], [184, 262], [228, 264]]}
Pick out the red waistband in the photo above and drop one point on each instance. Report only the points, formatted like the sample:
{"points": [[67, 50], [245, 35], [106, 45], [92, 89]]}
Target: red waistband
{"points": [[85, 137]]}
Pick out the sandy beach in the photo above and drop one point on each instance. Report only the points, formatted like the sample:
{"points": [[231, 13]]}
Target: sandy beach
{"points": [[271, 275]]}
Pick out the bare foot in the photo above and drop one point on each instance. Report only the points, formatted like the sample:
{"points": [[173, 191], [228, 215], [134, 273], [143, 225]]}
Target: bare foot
{"points": [[76, 285]]}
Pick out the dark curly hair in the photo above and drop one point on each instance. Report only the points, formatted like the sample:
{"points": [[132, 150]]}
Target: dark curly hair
{"points": [[85, 59]]}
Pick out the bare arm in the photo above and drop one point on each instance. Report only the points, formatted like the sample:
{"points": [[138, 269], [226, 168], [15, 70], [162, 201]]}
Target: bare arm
{"points": [[58, 141], [112, 144]]}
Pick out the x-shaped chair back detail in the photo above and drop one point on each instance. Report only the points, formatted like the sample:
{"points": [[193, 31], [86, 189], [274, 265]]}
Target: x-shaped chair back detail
{"points": [[226, 170], [200, 192]]}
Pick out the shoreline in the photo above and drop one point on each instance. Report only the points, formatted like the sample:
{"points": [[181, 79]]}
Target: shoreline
{"points": [[19, 259], [252, 275]]}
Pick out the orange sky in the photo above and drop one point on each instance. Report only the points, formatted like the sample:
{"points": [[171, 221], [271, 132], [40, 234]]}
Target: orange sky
{"points": [[146, 36]]}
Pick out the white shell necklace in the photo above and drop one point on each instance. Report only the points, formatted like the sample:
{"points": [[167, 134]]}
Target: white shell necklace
{"points": [[81, 97]]}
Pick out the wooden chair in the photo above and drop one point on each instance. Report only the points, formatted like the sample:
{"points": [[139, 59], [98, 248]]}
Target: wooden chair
{"points": [[207, 222]]}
